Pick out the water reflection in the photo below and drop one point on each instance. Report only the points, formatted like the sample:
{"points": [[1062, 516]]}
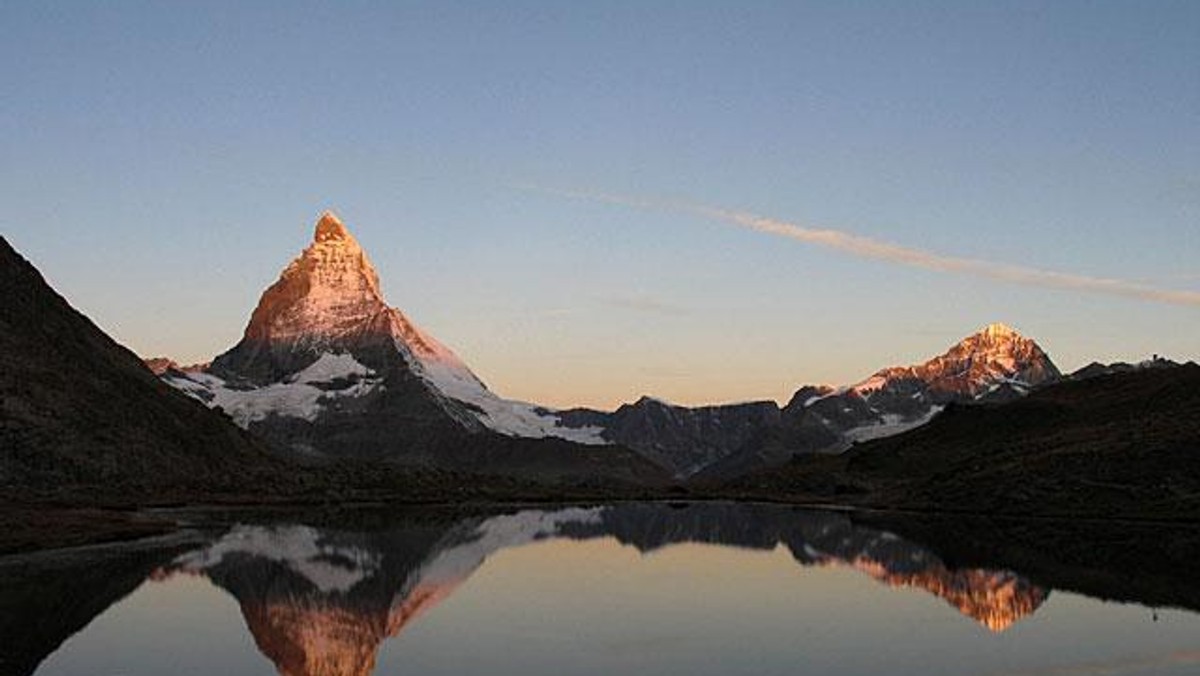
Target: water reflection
{"points": [[321, 597], [321, 600]]}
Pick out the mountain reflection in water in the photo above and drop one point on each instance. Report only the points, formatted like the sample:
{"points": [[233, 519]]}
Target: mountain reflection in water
{"points": [[321, 593], [321, 601]]}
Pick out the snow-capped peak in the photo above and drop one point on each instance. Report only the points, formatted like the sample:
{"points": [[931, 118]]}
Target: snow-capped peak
{"points": [[994, 354]]}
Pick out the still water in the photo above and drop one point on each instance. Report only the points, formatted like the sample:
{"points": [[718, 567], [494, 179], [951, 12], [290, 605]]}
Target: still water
{"points": [[639, 588]]}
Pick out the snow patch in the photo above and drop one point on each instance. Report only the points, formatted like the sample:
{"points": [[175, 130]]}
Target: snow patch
{"points": [[514, 418], [297, 397], [890, 424]]}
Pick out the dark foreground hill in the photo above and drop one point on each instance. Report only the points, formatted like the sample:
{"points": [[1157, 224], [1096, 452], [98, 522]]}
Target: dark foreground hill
{"points": [[79, 414], [1125, 444]]}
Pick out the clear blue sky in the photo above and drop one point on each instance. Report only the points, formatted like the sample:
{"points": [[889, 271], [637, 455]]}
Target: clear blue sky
{"points": [[161, 162]]}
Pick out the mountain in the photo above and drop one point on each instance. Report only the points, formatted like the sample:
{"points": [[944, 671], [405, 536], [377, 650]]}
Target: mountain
{"points": [[708, 442], [81, 417], [327, 369], [1123, 444]]}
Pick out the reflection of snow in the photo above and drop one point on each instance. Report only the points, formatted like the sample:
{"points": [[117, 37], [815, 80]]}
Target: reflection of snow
{"points": [[329, 568], [499, 532]]}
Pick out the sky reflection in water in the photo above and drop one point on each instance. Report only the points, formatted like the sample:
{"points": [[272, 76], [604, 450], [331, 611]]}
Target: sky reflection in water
{"points": [[707, 589]]}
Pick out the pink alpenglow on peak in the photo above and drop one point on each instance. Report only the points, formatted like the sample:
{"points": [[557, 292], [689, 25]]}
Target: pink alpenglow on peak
{"points": [[327, 305], [994, 355]]}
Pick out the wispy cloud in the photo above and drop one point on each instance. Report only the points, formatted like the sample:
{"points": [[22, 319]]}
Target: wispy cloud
{"points": [[867, 247]]}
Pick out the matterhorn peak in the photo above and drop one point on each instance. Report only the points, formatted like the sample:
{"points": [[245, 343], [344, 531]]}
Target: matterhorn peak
{"points": [[329, 290], [330, 227]]}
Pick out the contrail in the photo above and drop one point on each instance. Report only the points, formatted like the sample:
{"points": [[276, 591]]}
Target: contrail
{"points": [[866, 247]]}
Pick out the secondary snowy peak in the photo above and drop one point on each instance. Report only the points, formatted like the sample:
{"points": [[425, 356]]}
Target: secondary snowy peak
{"points": [[995, 355]]}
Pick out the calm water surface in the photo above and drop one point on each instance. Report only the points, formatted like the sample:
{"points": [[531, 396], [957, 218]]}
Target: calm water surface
{"points": [[651, 589]]}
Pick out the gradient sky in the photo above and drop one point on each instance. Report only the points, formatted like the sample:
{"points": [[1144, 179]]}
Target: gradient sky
{"points": [[162, 162]]}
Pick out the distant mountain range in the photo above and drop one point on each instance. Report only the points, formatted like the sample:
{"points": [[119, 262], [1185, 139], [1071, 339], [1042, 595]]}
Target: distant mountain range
{"points": [[715, 441], [1095, 444], [327, 369]]}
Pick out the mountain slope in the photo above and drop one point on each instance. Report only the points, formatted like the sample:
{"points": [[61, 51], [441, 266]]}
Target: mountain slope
{"points": [[81, 415]]}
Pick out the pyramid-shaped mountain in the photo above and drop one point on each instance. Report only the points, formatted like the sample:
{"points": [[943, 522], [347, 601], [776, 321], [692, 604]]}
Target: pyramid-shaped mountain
{"points": [[327, 369]]}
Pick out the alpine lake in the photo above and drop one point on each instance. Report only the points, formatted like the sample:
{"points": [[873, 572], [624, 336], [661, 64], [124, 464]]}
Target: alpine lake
{"points": [[648, 588]]}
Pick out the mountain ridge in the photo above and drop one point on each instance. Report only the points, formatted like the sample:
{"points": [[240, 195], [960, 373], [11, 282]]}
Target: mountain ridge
{"points": [[722, 440]]}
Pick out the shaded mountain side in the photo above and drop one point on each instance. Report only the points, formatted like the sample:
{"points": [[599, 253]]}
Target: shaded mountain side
{"points": [[1124, 444], [76, 408], [681, 438]]}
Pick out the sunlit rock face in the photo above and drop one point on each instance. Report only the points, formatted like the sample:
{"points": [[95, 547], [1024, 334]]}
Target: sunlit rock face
{"points": [[327, 299], [995, 355]]}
